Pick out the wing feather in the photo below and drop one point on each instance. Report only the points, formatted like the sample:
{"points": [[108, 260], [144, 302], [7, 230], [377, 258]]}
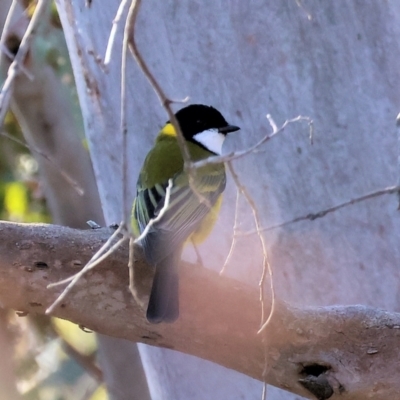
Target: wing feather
{"points": [[183, 214]]}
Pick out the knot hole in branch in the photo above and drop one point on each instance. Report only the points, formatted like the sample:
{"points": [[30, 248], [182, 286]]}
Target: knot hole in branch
{"points": [[315, 381]]}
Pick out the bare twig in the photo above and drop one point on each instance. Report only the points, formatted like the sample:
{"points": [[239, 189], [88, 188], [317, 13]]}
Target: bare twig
{"points": [[114, 30], [131, 266], [7, 24], [264, 391], [199, 259], [106, 250], [94, 258], [142, 236], [398, 158], [189, 165], [320, 214], [15, 67], [272, 122], [34, 149], [300, 5], [238, 154], [165, 101], [99, 256], [161, 213], [266, 264], [11, 56], [102, 255], [6, 30], [234, 234], [123, 124], [13, 71]]}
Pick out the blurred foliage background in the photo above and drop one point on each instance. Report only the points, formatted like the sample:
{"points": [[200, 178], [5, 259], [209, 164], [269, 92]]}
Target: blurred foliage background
{"points": [[52, 359]]}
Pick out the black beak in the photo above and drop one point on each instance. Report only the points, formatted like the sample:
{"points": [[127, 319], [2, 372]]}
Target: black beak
{"points": [[228, 129]]}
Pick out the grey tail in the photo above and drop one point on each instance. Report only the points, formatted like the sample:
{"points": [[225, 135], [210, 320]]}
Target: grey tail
{"points": [[164, 297]]}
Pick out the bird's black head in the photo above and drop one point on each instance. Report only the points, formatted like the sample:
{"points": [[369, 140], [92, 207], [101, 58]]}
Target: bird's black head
{"points": [[197, 118]]}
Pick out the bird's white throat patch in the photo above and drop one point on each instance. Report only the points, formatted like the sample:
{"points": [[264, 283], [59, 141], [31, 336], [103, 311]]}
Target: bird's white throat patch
{"points": [[211, 139]]}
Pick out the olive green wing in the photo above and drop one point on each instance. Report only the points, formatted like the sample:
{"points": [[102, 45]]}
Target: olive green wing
{"points": [[182, 214]]}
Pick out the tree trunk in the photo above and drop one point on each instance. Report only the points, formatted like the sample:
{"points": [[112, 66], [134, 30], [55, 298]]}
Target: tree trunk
{"points": [[51, 124]]}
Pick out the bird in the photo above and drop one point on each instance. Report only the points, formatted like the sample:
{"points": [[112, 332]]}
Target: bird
{"points": [[181, 205]]}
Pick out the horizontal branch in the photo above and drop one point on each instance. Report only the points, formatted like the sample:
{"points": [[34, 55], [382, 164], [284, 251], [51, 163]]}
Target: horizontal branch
{"points": [[326, 352]]}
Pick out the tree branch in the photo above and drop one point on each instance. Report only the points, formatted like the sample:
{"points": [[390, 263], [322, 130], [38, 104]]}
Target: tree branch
{"points": [[348, 349], [322, 213]]}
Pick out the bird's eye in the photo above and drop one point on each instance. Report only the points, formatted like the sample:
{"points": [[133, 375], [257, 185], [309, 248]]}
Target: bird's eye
{"points": [[200, 123]]}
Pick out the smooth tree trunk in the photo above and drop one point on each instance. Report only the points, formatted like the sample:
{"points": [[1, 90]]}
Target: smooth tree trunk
{"points": [[52, 125]]}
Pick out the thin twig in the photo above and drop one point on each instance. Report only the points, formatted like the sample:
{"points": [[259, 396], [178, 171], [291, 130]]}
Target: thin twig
{"points": [[11, 56], [97, 257], [264, 391], [199, 259], [267, 367], [123, 122], [237, 154], [34, 149], [13, 71], [131, 266], [235, 229], [165, 101], [320, 214], [15, 67], [398, 158], [114, 30], [272, 123], [300, 5], [6, 28], [142, 236], [266, 264], [160, 214], [83, 271], [105, 251], [390, 190]]}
